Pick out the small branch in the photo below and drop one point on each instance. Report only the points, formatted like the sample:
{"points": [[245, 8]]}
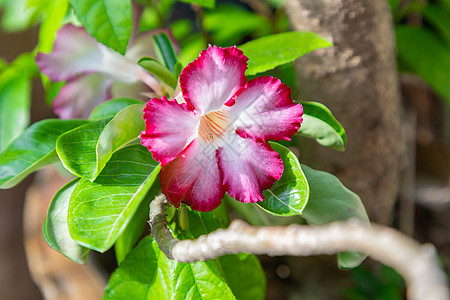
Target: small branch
{"points": [[158, 225], [416, 263]]}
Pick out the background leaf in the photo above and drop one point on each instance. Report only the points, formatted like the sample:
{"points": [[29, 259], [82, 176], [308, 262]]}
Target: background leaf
{"points": [[99, 211], [32, 150], [109, 21], [204, 3], [15, 93], [289, 195], [158, 70], [226, 32], [270, 51], [320, 124], [421, 51], [55, 229], [164, 51], [439, 16], [330, 201]]}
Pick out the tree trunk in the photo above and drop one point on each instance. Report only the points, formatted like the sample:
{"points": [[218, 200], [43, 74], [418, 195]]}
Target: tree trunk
{"points": [[357, 79]]}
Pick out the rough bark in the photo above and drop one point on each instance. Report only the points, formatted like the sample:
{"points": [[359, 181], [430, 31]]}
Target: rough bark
{"points": [[357, 80]]}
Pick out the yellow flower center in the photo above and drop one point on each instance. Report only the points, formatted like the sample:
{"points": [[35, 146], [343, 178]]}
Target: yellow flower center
{"points": [[213, 126]]}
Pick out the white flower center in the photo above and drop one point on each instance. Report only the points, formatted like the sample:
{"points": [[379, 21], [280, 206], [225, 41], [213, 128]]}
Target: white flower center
{"points": [[213, 126]]}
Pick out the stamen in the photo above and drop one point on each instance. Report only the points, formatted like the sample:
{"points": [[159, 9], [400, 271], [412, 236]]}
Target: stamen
{"points": [[213, 125]]}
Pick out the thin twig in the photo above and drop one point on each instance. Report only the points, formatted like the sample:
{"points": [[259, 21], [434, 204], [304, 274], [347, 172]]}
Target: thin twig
{"points": [[417, 263]]}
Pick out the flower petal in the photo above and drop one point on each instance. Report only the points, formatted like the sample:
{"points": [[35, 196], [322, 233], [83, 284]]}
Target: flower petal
{"points": [[169, 128], [213, 78], [194, 178], [78, 97], [264, 110], [74, 52], [248, 167]]}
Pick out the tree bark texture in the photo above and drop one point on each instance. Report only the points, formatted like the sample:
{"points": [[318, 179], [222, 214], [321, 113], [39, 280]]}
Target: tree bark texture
{"points": [[357, 79]]}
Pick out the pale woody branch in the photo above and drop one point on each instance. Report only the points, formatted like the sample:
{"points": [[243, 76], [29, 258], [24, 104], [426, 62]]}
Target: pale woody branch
{"points": [[416, 263]]}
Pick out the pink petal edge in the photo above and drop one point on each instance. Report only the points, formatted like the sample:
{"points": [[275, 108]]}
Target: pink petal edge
{"points": [[169, 128], [263, 110], [213, 78]]}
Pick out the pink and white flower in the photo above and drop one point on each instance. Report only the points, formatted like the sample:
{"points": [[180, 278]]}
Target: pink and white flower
{"points": [[215, 141], [94, 73]]}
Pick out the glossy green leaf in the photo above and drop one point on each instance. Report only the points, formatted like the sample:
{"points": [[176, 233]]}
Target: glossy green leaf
{"points": [[85, 150], [164, 51], [232, 267], [55, 229], [77, 148], [439, 16], [109, 21], [110, 108], [123, 128], [330, 201], [99, 211], [204, 3], [235, 268], [146, 273], [320, 124], [421, 51], [130, 236], [158, 70], [33, 149], [270, 51], [289, 195]]}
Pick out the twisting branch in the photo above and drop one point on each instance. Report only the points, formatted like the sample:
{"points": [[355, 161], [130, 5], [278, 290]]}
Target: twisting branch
{"points": [[415, 262]]}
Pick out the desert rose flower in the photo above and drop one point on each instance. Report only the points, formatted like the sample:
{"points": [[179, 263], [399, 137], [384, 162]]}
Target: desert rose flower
{"points": [[215, 141], [94, 73]]}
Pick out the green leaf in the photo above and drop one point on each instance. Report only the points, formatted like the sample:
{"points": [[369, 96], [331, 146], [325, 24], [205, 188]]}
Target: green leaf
{"points": [[221, 23], [255, 215], [14, 108], [320, 124], [289, 195], [15, 15], [146, 273], [15, 93], [164, 51], [128, 239], [270, 51], [423, 53], [232, 268], [237, 267], [439, 16], [84, 151], [330, 201], [204, 3], [99, 211], [109, 21], [158, 70], [55, 229], [110, 108], [32, 150], [77, 148]]}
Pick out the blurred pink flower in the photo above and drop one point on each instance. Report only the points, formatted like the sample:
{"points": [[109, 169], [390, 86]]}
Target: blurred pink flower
{"points": [[215, 139], [94, 73]]}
